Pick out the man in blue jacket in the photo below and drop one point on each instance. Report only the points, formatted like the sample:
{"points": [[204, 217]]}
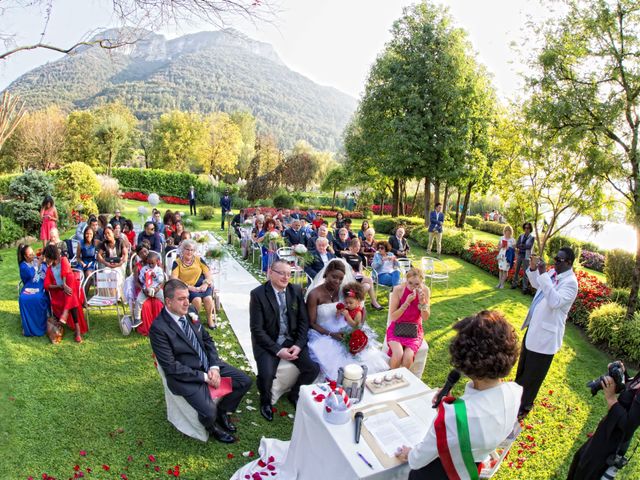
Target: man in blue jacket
{"points": [[436, 219], [225, 206]]}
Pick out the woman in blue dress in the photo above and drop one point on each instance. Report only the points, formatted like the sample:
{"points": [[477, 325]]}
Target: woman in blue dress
{"points": [[86, 254], [33, 300]]}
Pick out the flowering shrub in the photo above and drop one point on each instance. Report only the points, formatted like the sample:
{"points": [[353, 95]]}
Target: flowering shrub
{"points": [[591, 294], [143, 197], [592, 260], [484, 255], [378, 210]]}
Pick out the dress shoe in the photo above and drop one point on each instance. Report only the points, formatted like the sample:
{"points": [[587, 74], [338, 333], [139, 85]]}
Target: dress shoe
{"points": [[222, 435], [225, 422], [293, 399], [267, 412], [377, 307]]}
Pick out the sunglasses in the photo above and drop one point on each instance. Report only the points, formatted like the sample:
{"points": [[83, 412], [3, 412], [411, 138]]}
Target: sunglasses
{"points": [[559, 259]]}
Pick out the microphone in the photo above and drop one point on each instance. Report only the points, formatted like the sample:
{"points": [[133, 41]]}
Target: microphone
{"points": [[452, 379], [359, 419]]}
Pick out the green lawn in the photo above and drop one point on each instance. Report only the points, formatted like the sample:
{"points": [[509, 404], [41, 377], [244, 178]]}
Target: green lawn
{"points": [[104, 396]]}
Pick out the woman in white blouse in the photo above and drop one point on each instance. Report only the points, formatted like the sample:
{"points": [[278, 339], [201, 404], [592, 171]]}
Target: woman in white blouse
{"points": [[491, 405]]}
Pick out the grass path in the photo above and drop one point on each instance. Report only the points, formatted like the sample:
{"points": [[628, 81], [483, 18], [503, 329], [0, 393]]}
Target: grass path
{"points": [[104, 396]]}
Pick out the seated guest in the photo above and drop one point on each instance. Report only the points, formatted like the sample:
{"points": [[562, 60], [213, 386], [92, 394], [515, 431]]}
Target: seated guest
{"points": [[132, 284], [157, 220], [54, 239], [177, 217], [294, 234], [117, 218], [338, 223], [385, 264], [311, 215], [399, 245], [151, 278], [177, 233], [169, 224], [195, 273], [130, 233], [87, 251], [279, 334], [317, 221], [191, 364], [286, 217], [296, 215], [305, 227], [347, 224], [354, 259], [321, 257], [369, 245], [33, 300], [102, 223], [363, 229], [279, 225], [258, 230], [485, 349], [92, 222], [341, 244], [149, 234], [238, 221], [409, 308], [112, 252], [322, 232], [66, 298], [117, 233]]}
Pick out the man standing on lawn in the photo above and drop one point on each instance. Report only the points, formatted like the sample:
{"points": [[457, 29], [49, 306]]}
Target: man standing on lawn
{"points": [[436, 219], [556, 291], [225, 206], [192, 201]]}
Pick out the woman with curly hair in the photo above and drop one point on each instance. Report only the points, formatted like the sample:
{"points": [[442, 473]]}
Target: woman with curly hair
{"points": [[466, 430]]}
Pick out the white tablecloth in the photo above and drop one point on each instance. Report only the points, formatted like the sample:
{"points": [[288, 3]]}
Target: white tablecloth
{"points": [[319, 450]]}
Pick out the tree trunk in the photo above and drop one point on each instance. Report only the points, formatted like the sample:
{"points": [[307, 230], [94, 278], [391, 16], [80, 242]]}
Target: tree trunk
{"points": [[415, 197], [427, 200], [467, 197], [333, 199], [445, 200], [436, 192], [458, 208], [403, 196], [109, 165], [635, 276], [395, 208]]}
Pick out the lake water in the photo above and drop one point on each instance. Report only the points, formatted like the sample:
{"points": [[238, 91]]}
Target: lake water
{"points": [[612, 235]]}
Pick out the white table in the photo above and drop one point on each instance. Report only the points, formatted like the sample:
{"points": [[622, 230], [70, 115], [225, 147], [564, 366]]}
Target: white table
{"points": [[319, 450]]}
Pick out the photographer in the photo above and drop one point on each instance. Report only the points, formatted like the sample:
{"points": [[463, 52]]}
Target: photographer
{"points": [[614, 431]]}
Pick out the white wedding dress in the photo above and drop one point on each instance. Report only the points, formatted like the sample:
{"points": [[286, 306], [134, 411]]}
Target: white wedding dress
{"points": [[330, 354]]}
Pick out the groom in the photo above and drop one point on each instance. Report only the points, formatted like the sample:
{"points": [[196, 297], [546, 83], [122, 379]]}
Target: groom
{"points": [[279, 326]]}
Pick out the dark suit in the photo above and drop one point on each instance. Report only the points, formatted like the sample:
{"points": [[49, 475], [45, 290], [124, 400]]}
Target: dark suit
{"points": [[314, 267], [399, 249], [311, 241], [294, 237], [192, 202], [264, 320], [185, 372]]}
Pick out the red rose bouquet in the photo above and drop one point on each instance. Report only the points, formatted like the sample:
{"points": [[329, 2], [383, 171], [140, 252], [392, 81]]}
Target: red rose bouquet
{"points": [[340, 307], [355, 340]]}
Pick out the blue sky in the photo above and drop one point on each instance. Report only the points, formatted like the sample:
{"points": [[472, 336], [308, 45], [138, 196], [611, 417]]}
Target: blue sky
{"points": [[333, 42]]}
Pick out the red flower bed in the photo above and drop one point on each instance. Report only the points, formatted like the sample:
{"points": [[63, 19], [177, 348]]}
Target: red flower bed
{"points": [[142, 197], [484, 255], [385, 211]]}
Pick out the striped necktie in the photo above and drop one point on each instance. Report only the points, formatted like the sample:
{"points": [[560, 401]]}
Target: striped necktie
{"points": [[536, 300], [191, 335]]}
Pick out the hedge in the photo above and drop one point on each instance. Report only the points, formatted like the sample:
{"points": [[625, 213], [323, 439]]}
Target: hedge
{"points": [[5, 181], [492, 227], [592, 260], [174, 184], [619, 268], [389, 224], [627, 340], [474, 221], [454, 242], [556, 242]]}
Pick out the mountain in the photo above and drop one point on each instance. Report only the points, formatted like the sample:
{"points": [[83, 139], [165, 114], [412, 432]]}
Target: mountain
{"points": [[207, 71]]}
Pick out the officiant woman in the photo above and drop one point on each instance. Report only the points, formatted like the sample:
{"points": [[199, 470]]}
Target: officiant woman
{"points": [[484, 349]]}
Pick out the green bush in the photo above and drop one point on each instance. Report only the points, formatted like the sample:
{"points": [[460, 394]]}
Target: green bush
{"points": [[222, 187], [77, 184], [620, 295], [212, 198], [240, 202], [5, 181], [492, 227], [10, 232], [108, 198], [26, 193], [454, 241], [162, 182], [627, 340], [618, 268], [389, 224], [473, 220], [605, 321], [556, 242], [264, 202], [283, 200], [206, 212]]}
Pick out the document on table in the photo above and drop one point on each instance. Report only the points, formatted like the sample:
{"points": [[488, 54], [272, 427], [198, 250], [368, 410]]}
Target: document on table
{"points": [[391, 432], [420, 408]]}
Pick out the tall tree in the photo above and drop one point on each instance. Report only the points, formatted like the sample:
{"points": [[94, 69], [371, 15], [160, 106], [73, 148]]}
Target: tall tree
{"points": [[246, 123], [586, 86], [80, 143], [178, 141], [336, 179], [225, 144]]}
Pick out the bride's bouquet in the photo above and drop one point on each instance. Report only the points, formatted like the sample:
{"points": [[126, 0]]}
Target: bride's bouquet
{"points": [[354, 340]]}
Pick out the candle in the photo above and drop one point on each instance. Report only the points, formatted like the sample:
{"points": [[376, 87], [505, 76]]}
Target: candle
{"points": [[353, 372]]}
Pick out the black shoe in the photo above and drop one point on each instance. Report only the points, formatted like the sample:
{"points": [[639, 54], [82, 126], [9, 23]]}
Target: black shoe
{"points": [[293, 399], [513, 286], [222, 435], [379, 307], [266, 412], [525, 291], [225, 422]]}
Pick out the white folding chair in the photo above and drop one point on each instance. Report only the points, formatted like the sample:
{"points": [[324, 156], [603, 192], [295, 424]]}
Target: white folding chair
{"points": [[286, 254], [108, 287], [255, 247], [435, 270], [169, 258]]}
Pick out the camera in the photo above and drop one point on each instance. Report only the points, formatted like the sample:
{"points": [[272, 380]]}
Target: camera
{"points": [[616, 371]]}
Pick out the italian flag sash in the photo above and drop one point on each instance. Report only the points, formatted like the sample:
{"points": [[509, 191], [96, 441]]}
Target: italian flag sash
{"points": [[453, 440]]}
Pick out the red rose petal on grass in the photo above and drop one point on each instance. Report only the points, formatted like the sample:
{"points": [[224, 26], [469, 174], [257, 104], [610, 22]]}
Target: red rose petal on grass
{"points": [[129, 458], [152, 458], [76, 467], [83, 453], [123, 476], [170, 472], [251, 454], [88, 470], [106, 468], [156, 468], [176, 471], [274, 409], [283, 413], [29, 478], [550, 392], [590, 434], [229, 456]]}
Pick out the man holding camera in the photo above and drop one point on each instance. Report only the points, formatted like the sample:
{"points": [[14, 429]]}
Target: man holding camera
{"points": [[556, 291]]}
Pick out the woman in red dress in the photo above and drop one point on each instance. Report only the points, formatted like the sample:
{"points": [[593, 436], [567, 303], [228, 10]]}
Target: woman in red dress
{"points": [[62, 285], [49, 217]]}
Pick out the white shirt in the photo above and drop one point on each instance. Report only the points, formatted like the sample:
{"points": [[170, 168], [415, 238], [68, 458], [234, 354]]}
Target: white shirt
{"points": [[176, 318], [492, 414], [549, 317]]}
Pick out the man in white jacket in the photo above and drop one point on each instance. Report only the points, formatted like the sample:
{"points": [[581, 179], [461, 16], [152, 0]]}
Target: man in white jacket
{"points": [[545, 323]]}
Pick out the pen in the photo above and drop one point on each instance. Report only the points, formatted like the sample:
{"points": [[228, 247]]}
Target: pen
{"points": [[364, 460]]}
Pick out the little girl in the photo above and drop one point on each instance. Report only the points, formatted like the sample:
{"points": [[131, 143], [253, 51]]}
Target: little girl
{"points": [[353, 297], [506, 255], [152, 279]]}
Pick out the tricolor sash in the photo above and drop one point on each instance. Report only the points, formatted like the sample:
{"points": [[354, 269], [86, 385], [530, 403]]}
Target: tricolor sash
{"points": [[453, 440]]}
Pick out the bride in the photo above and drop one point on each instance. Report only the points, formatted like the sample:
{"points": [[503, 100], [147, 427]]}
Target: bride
{"points": [[326, 324]]}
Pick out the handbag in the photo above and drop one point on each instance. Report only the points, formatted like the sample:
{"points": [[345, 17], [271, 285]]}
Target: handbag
{"points": [[405, 330]]}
